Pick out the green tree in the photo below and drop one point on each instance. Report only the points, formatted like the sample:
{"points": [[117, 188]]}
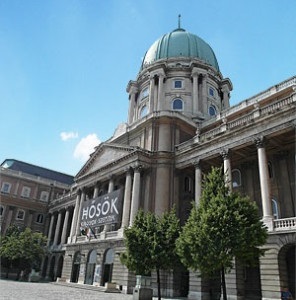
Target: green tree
{"points": [[150, 244], [23, 249], [223, 227]]}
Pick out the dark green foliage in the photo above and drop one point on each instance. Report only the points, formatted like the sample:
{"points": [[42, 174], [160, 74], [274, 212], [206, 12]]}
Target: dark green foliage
{"points": [[150, 243], [224, 226], [24, 249]]}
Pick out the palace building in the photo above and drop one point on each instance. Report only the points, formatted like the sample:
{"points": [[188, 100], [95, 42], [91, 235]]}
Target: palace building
{"points": [[180, 124]]}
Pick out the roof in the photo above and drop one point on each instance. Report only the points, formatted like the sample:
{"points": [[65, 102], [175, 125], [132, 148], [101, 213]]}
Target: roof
{"points": [[24, 167], [180, 43]]}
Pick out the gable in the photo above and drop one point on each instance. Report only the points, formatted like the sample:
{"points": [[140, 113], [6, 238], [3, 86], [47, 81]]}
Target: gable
{"points": [[104, 155]]}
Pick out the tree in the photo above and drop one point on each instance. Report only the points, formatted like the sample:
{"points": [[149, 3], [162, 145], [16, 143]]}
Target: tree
{"points": [[23, 249], [150, 244], [224, 226]]}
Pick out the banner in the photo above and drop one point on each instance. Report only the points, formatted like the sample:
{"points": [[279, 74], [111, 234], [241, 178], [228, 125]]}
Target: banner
{"points": [[102, 210]]}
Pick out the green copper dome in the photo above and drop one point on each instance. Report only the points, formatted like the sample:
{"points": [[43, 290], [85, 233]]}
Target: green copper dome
{"points": [[180, 43]]}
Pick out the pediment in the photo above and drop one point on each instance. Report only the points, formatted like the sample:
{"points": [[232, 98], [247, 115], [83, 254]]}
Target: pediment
{"points": [[104, 155]]}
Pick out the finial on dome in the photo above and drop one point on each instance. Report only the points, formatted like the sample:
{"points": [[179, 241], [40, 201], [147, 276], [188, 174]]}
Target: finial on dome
{"points": [[179, 21]]}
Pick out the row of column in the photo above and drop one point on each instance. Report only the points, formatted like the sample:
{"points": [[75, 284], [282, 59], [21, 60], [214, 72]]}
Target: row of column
{"points": [[131, 200], [263, 176], [61, 219]]}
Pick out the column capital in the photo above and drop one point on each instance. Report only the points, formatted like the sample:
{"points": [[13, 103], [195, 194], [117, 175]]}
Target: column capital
{"points": [[137, 168], [225, 153], [260, 142], [197, 163]]}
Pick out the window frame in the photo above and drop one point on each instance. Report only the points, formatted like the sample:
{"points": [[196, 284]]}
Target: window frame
{"points": [[173, 103], [144, 93], [39, 216], [211, 92], [239, 177], [275, 208], [18, 213], [3, 189], [26, 191], [178, 81], [42, 194], [143, 111], [215, 110]]}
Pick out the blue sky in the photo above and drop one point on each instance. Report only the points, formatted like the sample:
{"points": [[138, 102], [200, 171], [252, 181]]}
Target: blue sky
{"points": [[65, 64]]}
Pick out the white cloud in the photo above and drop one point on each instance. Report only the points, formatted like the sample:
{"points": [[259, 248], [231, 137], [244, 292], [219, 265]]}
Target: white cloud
{"points": [[65, 136], [86, 146]]}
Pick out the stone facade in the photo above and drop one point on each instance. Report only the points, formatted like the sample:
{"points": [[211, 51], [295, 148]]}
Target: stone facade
{"points": [[180, 124]]}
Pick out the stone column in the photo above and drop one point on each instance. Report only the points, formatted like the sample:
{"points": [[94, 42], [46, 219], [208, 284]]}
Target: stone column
{"points": [[135, 194], [57, 229], [195, 104], [160, 92], [264, 183], [107, 227], [198, 181], [65, 227], [151, 95], [50, 230], [227, 168], [79, 212], [96, 191], [127, 200], [74, 218]]}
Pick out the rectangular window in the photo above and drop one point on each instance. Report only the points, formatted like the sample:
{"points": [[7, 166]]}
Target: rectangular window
{"points": [[145, 93], [20, 214], [44, 196], [6, 187], [26, 192], [211, 92], [178, 84], [39, 218]]}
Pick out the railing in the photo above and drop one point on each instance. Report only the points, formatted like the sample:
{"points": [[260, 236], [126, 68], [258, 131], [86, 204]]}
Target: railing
{"points": [[285, 224]]}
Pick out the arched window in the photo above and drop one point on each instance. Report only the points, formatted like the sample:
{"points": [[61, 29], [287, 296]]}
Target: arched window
{"points": [[178, 104], [275, 209], [188, 184], [144, 111], [212, 110], [236, 178], [270, 169]]}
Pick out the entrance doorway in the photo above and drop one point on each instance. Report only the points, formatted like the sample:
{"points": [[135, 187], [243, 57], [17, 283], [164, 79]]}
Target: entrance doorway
{"points": [[76, 267], [90, 267], [60, 267], [107, 266], [51, 269]]}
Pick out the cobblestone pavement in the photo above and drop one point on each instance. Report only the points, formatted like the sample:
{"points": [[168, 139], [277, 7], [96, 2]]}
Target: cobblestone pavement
{"points": [[11, 290], [20, 290]]}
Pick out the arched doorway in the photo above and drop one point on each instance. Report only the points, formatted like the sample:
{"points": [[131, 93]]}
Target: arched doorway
{"points": [[287, 267], [60, 267], [76, 267], [44, 268], [51, 269], [90, 267], [107, 266]]}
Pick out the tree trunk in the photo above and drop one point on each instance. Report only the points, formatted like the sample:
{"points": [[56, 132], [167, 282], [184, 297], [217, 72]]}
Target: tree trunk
{"points": [[223, 283], [158, 283]]}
